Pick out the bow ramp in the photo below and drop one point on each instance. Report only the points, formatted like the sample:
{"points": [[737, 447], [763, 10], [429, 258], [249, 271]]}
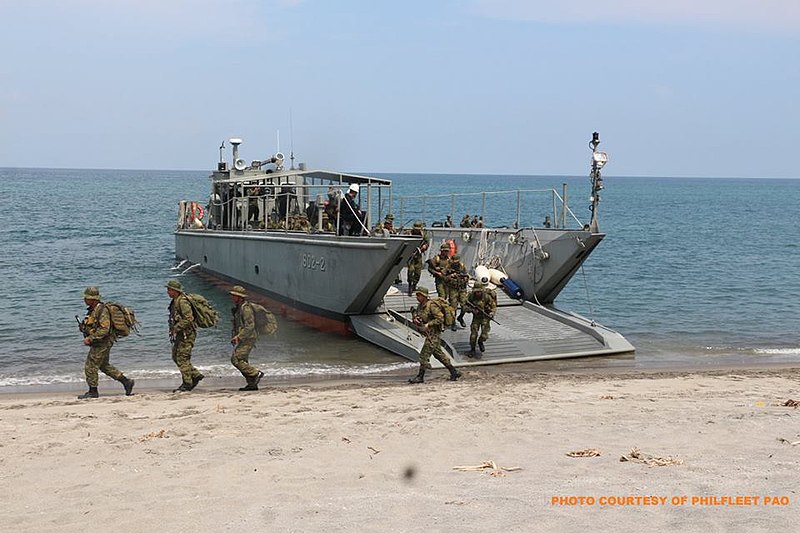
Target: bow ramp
{"points": [[523, 332]]}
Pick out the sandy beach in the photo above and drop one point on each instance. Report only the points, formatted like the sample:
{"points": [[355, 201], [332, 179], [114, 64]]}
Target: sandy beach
{"points": [[717, 451]]}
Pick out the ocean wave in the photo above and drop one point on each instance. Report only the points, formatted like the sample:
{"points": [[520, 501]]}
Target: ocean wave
{"points": [[753, 350], [218, 371], [778, 351]]}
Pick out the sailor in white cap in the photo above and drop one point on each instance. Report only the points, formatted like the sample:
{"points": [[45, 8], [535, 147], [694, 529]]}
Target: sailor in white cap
{"points": [[351, 218]]}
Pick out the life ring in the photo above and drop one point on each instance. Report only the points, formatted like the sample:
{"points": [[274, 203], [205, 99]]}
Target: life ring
{"points": [[453, 248], [196, 212]]}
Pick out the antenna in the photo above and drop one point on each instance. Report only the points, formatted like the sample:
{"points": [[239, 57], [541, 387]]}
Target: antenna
{"points": [[221, 149], [291, 139], [278, 134]]}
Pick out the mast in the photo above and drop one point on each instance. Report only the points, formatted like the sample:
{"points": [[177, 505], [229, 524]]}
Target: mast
{"points": [[599, 159]]}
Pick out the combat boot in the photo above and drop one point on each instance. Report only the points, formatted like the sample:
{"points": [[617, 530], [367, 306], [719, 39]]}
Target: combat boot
{"points": [[471, 352], [250, 385], [461, 319], [252, 382], [419, 378], [128, 384], [196, 380], [454, 374], [91, 393], [481, 346], [184, 387]]}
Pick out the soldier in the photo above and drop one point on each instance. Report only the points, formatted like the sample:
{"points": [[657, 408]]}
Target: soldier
{"points": [[388, 223], [415, 261], [437, 267], [303, 224], [99, 335], [244, 335], [483, 304], [380, 231], [429, 319], [456, 279], [465, 222], [182, 334]]}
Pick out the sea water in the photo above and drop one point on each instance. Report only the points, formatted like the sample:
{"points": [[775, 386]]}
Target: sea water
{"points": [[691, 270]]}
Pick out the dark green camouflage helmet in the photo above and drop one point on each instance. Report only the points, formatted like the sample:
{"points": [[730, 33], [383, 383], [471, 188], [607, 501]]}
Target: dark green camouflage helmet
{"points": [[91, 293], [175, 285], [421, 290], [238, 290], [444, 247], [418, 224], [390, 217], [478, 285]]}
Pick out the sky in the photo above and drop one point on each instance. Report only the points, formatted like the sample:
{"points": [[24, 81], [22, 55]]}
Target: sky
{"points": [[674, 87]]}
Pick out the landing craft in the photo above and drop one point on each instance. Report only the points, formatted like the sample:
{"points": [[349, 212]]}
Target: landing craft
{"points": [[293, 237]]}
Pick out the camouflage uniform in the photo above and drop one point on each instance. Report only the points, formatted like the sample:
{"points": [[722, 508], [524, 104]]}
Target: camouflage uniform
{"points": [[388, 223], [243, 336], [430, 317], [437, 266], [244, 327], [481, 299], [183, 333], [100, 335], [456, 279], [415, 261]]}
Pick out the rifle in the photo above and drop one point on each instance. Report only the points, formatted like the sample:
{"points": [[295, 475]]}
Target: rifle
{"points": [[171, 324], [459, 279], [81, 327], [481, 311]]}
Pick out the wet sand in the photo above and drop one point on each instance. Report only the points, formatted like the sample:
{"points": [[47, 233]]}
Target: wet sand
{"points": [[377, 454]]}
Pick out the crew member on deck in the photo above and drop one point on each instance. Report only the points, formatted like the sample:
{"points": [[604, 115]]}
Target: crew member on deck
{"points": [[351, 217]]}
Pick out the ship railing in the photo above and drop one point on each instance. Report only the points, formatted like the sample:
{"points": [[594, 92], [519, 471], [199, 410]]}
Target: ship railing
{"points": [[510, 208], [286, 206]]}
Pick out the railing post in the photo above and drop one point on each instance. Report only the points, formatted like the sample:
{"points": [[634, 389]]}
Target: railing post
{"points": [[555, 207], [453, 207], [518, 208], [425, 210], [564, 206], [483, 208]]}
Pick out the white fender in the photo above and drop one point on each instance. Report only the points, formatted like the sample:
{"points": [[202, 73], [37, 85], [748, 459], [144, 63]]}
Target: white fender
{"points": [[482, 274], [497, 277]]}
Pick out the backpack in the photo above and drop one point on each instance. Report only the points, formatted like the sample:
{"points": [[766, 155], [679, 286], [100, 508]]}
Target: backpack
{"points": [[265, 320], [448, 312], [123, 319], [205, 316]]}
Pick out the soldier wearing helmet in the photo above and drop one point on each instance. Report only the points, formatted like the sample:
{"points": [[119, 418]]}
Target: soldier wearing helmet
{"points": [[99, 335], [415, 261], [456, 279], [482, 302], [429, 318], [437, 266], [182, 334], [388, 223]]}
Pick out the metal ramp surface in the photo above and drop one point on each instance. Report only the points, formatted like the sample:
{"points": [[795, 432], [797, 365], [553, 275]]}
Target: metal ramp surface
{"points": [[526, 332]]}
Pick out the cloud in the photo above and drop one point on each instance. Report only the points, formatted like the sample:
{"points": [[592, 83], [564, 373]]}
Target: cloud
{"points": [[754, 15]]}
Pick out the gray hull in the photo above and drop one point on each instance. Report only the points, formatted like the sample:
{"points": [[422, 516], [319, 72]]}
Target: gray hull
{"points": [[325, 275], [540, 261]]}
